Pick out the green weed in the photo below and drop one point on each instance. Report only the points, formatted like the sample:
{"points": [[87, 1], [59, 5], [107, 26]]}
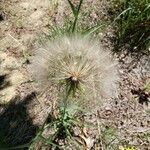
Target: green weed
{"points": [[71, 27], [80, 69], [132, 24]]}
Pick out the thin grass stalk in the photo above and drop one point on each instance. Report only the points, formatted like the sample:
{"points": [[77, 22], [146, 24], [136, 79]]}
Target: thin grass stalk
{"points": [[76, 17], [75, 13]]}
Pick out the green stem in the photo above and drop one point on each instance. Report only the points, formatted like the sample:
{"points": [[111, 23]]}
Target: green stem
{"points": [[76, 16]]}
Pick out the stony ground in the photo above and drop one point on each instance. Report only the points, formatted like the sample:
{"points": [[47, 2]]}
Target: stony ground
{"points": [[21, 24]]}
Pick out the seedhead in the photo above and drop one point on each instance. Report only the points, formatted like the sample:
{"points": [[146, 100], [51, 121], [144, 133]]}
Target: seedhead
{"points": [[80, 67]]}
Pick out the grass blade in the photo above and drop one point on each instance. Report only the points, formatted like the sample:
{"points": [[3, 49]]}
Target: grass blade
{"points": [[72, 8], [75, 12], [94, 29], [125, 11]]}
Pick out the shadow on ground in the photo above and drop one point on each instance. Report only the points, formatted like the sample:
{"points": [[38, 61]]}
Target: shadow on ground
{"points": [[16, 126]]}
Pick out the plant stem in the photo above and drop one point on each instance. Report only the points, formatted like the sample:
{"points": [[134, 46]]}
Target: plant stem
{"points": [[76, 16]]}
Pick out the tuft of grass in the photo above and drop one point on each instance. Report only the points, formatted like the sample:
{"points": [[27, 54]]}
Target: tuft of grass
{"points": [[132, 24], [72, 27], [59, 131]]}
